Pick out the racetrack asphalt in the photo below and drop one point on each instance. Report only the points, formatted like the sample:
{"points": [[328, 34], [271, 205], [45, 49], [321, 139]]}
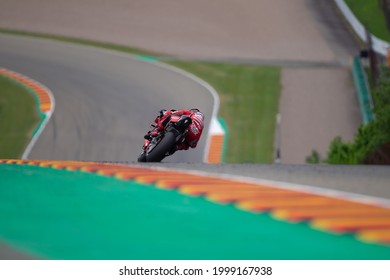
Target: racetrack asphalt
{"points": [[287, 33], [91, 85], [108, 99], [105, 101], [355, 179]]}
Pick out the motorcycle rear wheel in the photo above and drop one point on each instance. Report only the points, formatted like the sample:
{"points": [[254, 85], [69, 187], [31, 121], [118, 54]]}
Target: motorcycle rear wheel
{"points": [[159, 152], [142, 157]]}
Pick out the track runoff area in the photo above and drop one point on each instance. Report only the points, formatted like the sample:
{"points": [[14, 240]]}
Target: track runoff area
{"points": [[210, 225]]}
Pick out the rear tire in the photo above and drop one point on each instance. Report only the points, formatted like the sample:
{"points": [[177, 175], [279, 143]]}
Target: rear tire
{"points": [[166, 144], [142, 157]]}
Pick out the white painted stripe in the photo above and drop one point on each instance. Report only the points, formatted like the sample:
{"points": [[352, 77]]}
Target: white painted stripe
{"points": [[43, 124], [216, 128]]}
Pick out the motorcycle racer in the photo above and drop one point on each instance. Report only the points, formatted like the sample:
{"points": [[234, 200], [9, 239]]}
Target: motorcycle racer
{"points": [[195, 128]]}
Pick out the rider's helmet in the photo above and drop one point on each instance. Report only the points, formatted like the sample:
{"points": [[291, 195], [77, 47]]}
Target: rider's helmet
{"points": [[162, 113]]}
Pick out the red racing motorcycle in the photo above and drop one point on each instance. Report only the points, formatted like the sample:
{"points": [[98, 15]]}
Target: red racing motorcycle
{"points": [[170, 132]]}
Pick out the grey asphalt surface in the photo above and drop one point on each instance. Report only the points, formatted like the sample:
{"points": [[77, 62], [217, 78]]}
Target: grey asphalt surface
{"points": [[105, 101], [358, 179], [319, 103], [334, 30], [10, 253]]}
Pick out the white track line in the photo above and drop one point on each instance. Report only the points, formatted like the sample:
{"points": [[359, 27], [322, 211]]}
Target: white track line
{"points": [[43, 124], [47, 115]]}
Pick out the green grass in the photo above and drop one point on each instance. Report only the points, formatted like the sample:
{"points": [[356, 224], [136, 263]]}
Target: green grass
{"points": [[249, 98], [249, 103], [18, 118], [371, 15]]}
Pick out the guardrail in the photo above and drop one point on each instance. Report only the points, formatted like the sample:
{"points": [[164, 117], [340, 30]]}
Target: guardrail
{"points": [[359, 76], [363, 91]]}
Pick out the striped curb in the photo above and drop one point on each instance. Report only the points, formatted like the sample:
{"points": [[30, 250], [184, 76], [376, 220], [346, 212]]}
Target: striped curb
{"points": [[216, 148], [368, 220], [44, 99], [217, 139]]}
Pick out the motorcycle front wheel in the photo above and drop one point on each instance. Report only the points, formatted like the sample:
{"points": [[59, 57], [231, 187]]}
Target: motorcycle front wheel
{"points": [[159, 152]]}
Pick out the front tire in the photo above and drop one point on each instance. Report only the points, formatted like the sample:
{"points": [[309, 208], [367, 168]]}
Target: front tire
{"points": [[166, 144]]}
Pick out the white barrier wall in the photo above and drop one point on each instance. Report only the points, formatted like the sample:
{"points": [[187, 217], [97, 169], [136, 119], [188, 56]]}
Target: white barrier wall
{"points": [[379, 46]]}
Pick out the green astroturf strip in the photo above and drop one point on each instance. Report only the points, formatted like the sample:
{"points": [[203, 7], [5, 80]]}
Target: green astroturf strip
{"points": [[60, 214]]}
